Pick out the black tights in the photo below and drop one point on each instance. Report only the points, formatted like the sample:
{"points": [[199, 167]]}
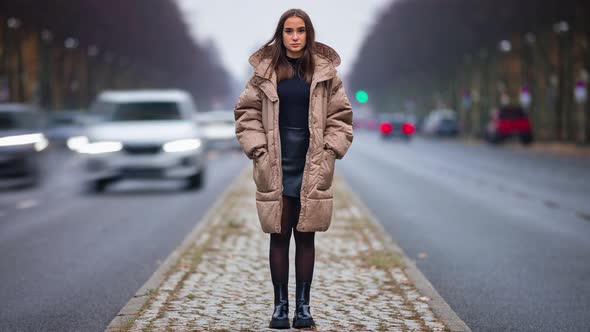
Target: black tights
{"points": [[279, 246]]}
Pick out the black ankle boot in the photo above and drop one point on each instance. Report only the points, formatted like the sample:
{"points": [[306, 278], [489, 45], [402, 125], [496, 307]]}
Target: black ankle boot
{"points": [[302, 316], [280, 317]]}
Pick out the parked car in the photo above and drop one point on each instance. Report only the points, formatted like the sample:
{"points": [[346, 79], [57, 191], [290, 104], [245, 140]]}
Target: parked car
{"points": [[441, 123], [143, 134], [509, 121], [396, 125], [218, 129], [22, 145]]}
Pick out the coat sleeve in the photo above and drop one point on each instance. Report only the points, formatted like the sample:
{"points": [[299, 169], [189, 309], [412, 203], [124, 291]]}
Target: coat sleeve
{"points": [[338, 133], [248, 115]]}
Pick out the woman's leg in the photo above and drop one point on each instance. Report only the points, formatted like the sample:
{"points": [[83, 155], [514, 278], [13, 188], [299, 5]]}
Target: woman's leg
{"points": [[304, 262], [279, 243], [304, 253], [279, 266]]}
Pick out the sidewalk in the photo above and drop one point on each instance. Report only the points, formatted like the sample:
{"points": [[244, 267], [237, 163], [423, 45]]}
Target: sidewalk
{"points": [[540, 147], [219, 279]]}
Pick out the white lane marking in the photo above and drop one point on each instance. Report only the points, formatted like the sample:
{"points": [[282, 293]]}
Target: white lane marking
{"points": [[26, 204]]}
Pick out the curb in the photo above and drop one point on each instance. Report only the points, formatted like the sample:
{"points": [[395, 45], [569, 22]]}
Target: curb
{"points": [[131, 310], [547, 148], [438, 305]]}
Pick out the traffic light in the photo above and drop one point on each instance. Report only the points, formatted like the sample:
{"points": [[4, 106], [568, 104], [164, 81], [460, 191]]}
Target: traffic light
{"points": [[362, 96]]}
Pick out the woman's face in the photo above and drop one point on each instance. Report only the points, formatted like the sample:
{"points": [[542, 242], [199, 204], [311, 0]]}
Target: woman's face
{"points": [[294, 36]]}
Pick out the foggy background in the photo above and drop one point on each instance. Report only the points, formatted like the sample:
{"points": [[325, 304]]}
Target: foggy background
{"points": [[472, 130]]}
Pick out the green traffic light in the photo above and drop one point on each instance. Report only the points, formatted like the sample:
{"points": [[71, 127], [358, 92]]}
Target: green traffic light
{"points": [[362, 96]]}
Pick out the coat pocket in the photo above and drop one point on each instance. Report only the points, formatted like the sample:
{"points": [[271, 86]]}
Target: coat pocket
{"points": [[326, 171], [263, 173]]}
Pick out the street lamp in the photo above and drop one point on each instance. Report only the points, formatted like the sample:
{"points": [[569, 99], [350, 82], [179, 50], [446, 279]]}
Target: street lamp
{"points": [[561, 27], [46, 36], [13, 23], [72, 82], [45, 76], [71, 43], [92, 52], [505, 46]]}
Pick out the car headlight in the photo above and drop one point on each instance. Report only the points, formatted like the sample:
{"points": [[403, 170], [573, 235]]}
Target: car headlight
{"points": [[100, 147], [182, 145], [41, 144], [76, 142], [38, 140]]}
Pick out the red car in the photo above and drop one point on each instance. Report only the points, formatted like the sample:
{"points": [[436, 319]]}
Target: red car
{"points": [[509, 121]]}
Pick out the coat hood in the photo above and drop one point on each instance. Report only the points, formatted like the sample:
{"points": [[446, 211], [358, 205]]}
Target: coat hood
{"points": [[325, 57]]}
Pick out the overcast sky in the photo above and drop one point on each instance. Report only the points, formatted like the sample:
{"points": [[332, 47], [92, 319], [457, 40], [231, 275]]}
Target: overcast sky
{"points": [[239, 27]]}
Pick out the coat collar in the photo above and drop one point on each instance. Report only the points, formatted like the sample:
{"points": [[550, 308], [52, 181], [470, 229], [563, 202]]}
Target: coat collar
{"points": [[326, 60]]}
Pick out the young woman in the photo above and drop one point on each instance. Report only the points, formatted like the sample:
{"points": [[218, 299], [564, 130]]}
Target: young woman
{"points": [[294, 119]]}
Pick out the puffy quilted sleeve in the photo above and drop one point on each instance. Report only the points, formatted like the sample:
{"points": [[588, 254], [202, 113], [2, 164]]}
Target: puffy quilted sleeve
{"points": [[248, 116], [338, 134]]}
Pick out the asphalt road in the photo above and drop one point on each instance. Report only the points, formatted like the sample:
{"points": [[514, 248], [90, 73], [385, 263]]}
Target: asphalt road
{"points": [[70, 261], [504, 236]]}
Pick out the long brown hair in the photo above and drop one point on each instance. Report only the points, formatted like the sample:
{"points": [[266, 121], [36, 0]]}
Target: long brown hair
{"points": [[278, 51]]}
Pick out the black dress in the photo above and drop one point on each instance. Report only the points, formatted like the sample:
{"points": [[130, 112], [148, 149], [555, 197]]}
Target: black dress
{"points": [[293, 128]]}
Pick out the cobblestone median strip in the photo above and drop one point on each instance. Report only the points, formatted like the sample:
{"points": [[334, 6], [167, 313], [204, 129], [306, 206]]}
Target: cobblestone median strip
{"points": [[221, 281]]}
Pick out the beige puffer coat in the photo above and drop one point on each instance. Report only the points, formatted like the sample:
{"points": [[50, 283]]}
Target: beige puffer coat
{"points": [[330, 128]]}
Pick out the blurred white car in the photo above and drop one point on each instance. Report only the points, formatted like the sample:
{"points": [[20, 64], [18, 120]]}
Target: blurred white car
{"points": [[441, 122], [218, 129], [145, 134]]}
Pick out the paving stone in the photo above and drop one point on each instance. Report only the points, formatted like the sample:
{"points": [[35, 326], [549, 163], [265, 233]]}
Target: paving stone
{"points": [[223, 282]]}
